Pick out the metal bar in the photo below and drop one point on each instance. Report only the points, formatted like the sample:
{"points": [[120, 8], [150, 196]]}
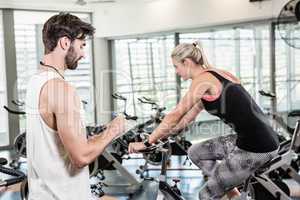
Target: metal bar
{"points": [[237, 50], [131, 179], [273, 65], [131, 77], [152, 70], [258, 63], [11, 71], [178, 80]]}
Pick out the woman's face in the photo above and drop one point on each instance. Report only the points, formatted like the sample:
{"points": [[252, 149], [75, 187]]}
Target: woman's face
{"points": [[181, 69]]}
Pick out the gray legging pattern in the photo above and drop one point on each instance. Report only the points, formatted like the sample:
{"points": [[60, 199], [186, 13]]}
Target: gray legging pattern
{"points": [[225, 164]]}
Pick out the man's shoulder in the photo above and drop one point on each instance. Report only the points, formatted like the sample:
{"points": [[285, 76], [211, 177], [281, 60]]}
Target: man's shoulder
{"points": [[59, 94], [59, 84]]}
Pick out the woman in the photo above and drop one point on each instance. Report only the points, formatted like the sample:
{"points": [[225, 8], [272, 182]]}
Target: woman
{"points": [[227, 160], [2, 189]]}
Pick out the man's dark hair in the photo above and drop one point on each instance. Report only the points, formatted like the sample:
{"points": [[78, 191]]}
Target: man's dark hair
{"points": [[64, 24]]}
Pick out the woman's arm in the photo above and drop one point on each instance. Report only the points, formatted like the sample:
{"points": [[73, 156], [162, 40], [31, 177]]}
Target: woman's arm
{"points": [[2, 189], [188, 102], [188, 118]]}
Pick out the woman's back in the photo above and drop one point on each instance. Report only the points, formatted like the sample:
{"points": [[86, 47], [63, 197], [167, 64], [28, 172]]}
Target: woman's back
{"points": [[234, 105]]}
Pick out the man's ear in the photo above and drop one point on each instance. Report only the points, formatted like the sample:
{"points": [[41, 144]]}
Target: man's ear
{"points": [[64, 43]]}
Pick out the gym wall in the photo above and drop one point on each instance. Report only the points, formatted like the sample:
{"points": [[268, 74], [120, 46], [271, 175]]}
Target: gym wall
{"points": [[142, 16]]}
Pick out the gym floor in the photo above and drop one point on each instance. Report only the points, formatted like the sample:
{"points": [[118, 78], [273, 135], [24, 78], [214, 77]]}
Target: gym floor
{"points": [[191, 180], [190, 184], [190, 177]]}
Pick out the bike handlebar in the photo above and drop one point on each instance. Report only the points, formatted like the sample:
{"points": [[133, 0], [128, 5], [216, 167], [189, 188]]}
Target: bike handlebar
{"points": [[118, 96], [130, 117], [267, 94], [3, 161], [294, 113], [147, 101], [16, 112], [18, 175], [155, 147]]}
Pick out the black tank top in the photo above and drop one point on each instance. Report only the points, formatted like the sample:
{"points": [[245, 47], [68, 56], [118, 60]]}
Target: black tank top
{"points": [[236, 108]]}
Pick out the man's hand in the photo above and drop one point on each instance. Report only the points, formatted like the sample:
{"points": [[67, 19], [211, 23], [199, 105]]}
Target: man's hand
{"points": [[118, 125], [135, 147]]}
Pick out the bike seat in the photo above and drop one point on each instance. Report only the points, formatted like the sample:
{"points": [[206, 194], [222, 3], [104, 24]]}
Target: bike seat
{"points": [[267, 165]]}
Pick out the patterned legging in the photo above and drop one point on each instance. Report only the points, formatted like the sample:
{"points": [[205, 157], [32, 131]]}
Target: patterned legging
{"points": [[225, 165]]}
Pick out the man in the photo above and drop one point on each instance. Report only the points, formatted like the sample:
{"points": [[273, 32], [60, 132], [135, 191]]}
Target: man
{"points": [[58, 150]]}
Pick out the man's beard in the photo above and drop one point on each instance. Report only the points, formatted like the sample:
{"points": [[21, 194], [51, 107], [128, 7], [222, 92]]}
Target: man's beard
{"points": [[70, 59]]}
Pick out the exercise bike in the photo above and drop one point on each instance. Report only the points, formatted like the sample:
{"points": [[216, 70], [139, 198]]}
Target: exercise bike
{"points": [[169, 192], [178, 147], [285, 131], [277, 120], [111, 161], [20, 140], [263, 184]]}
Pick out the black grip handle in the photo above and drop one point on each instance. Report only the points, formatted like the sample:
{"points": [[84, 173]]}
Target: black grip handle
{"points": [[19, 176], [3, 161], [161, 109], [14, 181], [154, 147], [118, 96], [16, 112], [11, 172], [149, 149], [267, 94], [147, 101], [84, 102], [141, 100], [129, 117], [294, 113]]}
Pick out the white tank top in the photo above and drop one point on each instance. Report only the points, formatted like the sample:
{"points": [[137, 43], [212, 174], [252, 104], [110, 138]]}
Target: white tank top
{"points": [[51, 175]]}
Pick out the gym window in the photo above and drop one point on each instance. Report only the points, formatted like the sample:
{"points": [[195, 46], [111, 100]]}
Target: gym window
{"points": [[143, 68]]}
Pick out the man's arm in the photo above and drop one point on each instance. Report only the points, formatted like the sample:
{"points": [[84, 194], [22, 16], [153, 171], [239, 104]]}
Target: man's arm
{"points": [[65, 104]]}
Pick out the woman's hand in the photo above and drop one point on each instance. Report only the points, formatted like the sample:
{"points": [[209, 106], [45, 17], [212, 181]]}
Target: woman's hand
{"points": [[135, 147]]}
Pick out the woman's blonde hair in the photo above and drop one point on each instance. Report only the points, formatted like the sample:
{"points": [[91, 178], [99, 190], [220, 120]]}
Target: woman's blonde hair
{"points": [[193, 51]]}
